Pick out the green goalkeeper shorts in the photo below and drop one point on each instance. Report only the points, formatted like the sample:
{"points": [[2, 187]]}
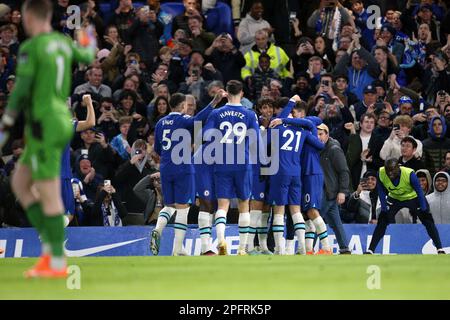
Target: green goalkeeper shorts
{"points": [[45, 142]]}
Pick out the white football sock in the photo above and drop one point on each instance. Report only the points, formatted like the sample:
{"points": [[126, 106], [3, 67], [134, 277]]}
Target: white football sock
{"points": [[321, 230], [244, 223], [263, 230], [278, 232], [180, 229], [220, 223], [204, 228], [310, 234], [164, 216], [299, 228], [255, 217]]}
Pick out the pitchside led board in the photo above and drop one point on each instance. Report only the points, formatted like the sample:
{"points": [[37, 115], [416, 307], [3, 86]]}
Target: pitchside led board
{"points": [[134, 241]]}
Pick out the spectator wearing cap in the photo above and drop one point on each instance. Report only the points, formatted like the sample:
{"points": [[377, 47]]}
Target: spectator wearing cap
{"points": [[94, 84], [17, 150], [364, 203], [367, 104], [249, 25], [359, 156], [225, 57], [387, 39], [278, 57], [439, 200], [201, 39], [145, 33], [436, 145], [407, 159], [99, 151], [360, 67], [336, 186], [86, 173], [392, 146], [422, 14]]}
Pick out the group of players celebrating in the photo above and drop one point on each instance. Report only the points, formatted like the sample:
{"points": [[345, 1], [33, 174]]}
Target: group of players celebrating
{"points": [[296, 181]]}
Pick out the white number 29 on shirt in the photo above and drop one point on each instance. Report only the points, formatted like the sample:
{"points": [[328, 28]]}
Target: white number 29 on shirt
{"points": [[239, 129]]}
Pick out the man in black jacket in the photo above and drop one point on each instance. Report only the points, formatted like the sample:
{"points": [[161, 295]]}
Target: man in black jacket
{"points": [[337, 182]]}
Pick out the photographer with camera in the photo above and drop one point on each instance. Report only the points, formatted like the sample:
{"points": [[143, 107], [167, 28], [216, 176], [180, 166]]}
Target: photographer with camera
{"points": [[364, 202]]}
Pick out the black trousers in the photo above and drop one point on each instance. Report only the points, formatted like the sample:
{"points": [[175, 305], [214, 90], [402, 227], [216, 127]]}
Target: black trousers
{"points": [[388, 217]]}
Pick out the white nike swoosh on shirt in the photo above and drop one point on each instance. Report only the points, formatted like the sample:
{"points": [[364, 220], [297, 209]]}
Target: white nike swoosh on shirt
{"points": [[429, 248], [92, 250]]}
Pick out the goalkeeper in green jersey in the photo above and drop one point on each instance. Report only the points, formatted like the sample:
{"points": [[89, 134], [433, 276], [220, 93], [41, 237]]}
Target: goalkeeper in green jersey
{"points": [[43, 85]]}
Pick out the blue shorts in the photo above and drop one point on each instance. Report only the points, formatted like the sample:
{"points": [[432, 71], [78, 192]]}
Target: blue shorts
{"points": [[233, 184], [312, 190], [204, 182], [260, 189], [179, 189], [67, 196], [285, 190]]}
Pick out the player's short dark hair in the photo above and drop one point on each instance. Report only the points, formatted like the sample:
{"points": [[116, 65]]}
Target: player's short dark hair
{"points": [[281, 102], [42, 9], [300, 106], [410, 140], [234, 87], [176, 99]]}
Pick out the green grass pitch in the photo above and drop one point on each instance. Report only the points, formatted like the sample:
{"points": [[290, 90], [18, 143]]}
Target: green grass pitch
{"points": [[237, 277]]}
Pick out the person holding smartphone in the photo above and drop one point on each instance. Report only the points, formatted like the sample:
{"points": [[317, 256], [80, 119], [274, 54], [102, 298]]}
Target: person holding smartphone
{"points": [[392, 146], [364, 202]]}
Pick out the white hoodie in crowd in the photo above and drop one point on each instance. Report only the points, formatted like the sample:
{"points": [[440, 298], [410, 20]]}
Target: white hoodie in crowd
{"points": [[440, 202]]}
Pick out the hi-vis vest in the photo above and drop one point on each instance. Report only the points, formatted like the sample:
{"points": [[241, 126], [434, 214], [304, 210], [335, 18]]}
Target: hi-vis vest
{"points": [[278, 62], [404, 191]]}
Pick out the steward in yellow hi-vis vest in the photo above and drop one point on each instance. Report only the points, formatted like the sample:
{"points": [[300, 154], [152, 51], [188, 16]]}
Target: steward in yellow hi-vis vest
{"points": [[398, 187], [278, 58]]}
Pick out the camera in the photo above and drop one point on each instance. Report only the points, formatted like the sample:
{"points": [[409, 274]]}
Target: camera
{"points": [[363, 183], [133, 62], [195, 72], [442, 93], [108, 108], [396, 127], [325, 83], [138, 151], [107, 183]]}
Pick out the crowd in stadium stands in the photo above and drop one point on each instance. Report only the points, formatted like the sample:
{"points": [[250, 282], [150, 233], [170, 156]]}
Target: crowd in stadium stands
{"points": [[380, 84]]}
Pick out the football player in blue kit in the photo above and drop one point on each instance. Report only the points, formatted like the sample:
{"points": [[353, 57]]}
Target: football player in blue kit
{"points": [[177, 175], [285, 185]]}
